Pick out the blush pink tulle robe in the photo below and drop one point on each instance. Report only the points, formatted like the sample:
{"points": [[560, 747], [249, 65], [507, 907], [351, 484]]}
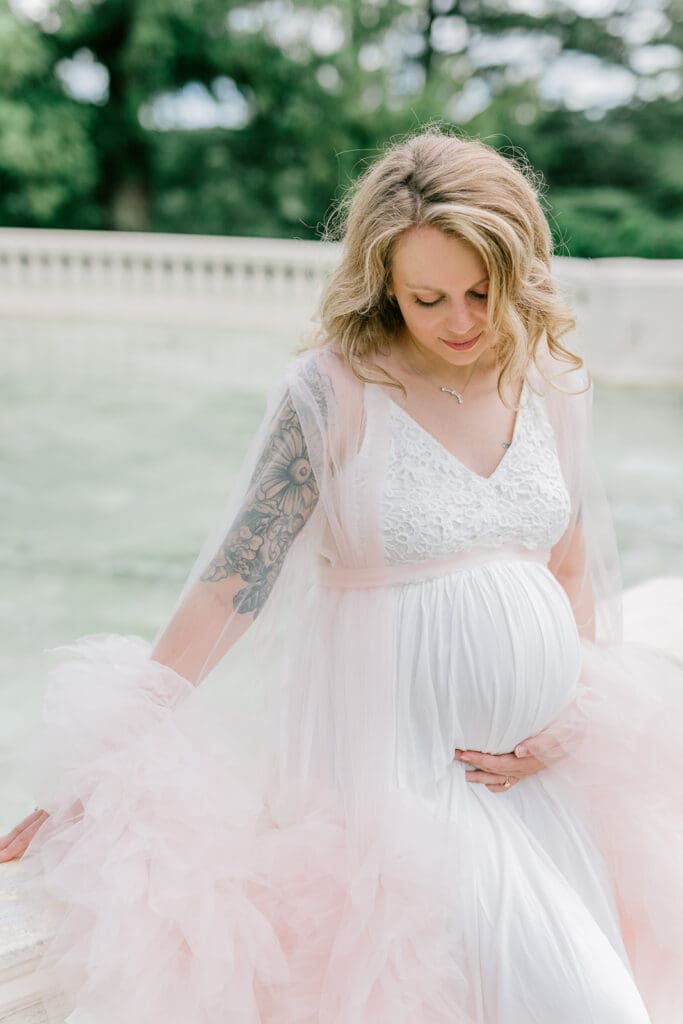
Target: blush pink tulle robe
{"points": [[292, 841]]}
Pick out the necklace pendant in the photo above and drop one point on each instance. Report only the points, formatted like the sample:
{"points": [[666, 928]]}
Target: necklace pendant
{"points": [[452, 391]]}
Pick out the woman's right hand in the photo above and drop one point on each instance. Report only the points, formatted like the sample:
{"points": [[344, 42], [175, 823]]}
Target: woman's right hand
{"points": [[16, 842]]}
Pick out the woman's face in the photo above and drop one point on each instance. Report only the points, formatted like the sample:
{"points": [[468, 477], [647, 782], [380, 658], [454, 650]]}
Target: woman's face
{"points": [[441, 287]]}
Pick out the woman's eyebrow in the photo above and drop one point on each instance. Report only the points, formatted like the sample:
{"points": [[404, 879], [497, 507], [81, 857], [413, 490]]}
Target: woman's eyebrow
{"points": [[428, 287]]}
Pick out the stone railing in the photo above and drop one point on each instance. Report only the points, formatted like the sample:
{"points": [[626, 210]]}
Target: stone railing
{"points": [[629, 311], [26, 995], [124, 274]]}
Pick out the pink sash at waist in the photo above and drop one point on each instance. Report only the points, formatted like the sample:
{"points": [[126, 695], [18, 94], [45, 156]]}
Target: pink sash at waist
{"points": [[411, 572]]}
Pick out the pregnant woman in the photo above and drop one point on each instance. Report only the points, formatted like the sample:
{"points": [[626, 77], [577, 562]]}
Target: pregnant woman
{"points": [[430, 784]]}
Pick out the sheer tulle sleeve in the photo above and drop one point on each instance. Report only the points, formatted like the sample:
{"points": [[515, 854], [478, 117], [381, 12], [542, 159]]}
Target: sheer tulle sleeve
{"points": [[232, 588], [106, 688], [585, 559]]}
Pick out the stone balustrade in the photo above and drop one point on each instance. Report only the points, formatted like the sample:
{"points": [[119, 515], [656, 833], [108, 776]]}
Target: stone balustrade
{"points": [[629, 311]]}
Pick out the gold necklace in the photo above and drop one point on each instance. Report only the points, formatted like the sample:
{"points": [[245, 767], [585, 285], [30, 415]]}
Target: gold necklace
{"points": [[458, 394], [449, 390]]}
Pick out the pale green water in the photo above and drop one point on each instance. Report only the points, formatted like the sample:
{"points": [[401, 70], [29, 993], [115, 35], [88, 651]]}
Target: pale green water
{"points": [[117, 444]]}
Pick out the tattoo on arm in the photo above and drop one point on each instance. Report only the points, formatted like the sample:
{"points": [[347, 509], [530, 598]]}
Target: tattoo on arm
{"points": [[280, 500]]}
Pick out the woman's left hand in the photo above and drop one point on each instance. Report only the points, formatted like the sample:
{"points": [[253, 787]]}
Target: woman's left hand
{"points": [[491, 769]]}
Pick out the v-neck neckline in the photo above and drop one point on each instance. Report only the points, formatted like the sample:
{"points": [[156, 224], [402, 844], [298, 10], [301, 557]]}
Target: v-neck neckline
{"points": [[452, 455]]}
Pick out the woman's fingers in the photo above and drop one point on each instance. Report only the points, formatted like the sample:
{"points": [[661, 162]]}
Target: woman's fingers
{"points": [[491, 769], [28, 820], [16, 842], [500, 764], [7, 839], [488, 778]]}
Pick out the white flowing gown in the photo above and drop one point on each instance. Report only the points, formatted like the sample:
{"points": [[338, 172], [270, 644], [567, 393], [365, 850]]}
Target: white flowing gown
{"points": [[183, 897], [491, 656]]}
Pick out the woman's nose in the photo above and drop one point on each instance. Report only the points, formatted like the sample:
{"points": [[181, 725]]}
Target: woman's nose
{"points": [[460, 319]]}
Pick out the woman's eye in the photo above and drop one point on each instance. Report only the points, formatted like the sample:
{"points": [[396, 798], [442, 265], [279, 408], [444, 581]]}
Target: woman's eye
{"points": [[480, 296]]}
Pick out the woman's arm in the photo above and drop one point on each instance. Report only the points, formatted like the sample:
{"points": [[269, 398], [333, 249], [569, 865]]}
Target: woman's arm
{"points": [[221, 604], [235, 584], [569, 564]]}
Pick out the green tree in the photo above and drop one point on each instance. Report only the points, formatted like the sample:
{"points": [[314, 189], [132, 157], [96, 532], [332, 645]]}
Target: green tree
{"points": [[47, 162], [315, 88]]}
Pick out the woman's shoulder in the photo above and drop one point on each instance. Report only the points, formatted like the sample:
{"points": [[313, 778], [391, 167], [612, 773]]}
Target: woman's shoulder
{"points": [[320, 352], [322, 366], [328, 399]]}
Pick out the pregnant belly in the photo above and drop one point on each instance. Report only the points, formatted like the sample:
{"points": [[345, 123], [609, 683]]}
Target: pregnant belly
{"points": [[487, 656]]}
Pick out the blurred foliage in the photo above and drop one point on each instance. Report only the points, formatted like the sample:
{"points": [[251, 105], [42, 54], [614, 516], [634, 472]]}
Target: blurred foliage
{"points": [[95, 130], [47, 161]]}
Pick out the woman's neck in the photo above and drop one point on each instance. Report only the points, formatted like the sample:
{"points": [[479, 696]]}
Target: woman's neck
{"points": [[421, 363]]}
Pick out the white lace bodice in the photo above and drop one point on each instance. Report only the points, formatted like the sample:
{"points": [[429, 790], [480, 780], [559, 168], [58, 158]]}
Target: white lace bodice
{"points": [[434, 505]]}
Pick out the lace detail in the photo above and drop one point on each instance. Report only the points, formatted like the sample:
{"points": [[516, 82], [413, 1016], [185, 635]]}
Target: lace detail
{"points": [[434, 505]]}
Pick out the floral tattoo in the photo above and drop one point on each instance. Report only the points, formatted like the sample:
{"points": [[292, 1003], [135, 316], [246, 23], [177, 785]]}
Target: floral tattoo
{"points": [[280, 500]]}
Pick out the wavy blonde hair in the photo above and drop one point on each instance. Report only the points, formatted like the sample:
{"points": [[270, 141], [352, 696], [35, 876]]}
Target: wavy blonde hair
{"points": [[471, 192]]}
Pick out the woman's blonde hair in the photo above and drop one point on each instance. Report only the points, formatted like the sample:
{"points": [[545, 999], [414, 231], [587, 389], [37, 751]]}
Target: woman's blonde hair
{"points": [[471, 192]]}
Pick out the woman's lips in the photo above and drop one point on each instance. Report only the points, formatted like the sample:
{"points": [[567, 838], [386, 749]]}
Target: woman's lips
{"points": [[462, 345]]}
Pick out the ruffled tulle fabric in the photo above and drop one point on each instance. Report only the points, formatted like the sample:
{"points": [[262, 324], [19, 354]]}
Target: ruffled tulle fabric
{"points": [[180, 892], [184, 888]]}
